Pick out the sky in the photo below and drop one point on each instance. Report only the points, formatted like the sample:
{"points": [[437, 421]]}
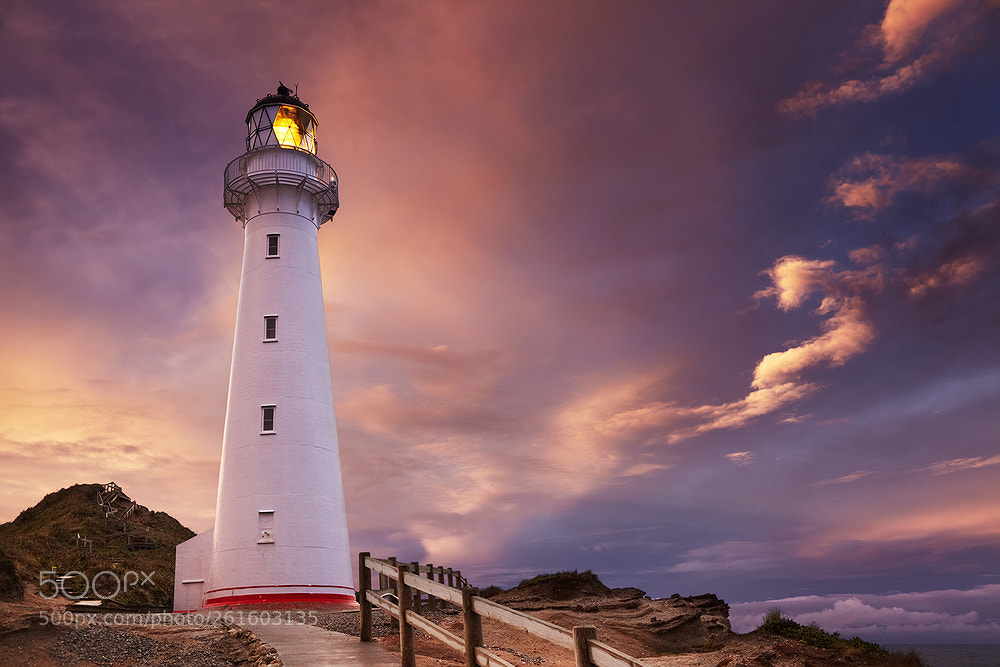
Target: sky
{"points": [[702, 297]]}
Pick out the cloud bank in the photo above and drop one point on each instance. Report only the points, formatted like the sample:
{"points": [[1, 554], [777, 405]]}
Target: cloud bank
{"points": [[919, 617]]}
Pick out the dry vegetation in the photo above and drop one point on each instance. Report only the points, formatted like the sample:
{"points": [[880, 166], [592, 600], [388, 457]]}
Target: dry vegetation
{"points": [[44, 537]]}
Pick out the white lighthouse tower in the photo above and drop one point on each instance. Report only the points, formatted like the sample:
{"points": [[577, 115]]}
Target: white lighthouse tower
{"points": [[280, 535]]}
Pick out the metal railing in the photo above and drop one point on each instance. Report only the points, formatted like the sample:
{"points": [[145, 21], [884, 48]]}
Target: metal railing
{"points": [[279, 166]]}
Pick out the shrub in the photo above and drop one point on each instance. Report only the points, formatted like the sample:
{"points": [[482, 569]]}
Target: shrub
{"points": [[490, 591], [813, 635]]}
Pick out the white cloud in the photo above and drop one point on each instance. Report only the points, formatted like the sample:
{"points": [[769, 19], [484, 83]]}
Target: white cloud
{"points": [[968, 615], [740, 458]]}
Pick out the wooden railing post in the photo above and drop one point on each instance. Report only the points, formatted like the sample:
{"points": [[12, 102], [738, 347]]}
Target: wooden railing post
{"points": [[473, 625], [431, 600], [364, 584], [415, 596], [394, 588], [440, 578], [581, 647], [408, 658], [451, 577]]}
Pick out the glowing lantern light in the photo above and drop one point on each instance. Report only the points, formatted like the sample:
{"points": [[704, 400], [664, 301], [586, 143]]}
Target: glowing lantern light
{"points": [[281, 120]]}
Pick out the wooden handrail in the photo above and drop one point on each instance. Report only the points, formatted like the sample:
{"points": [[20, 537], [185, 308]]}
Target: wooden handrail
{"points": [[543, 629], [582, 641]]}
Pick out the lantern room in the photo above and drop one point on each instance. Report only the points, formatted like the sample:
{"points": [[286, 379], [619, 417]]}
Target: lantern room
{"points": [[281, 120]]}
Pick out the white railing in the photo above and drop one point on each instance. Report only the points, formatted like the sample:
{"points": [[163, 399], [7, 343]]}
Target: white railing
{"points": [[280, 166]]}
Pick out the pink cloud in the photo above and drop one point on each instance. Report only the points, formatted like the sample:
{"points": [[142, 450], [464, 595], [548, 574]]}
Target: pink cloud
{"points": [[866, 256], [846, 333], [914, 39], [946, 467], [956, 272], [871, 181], [778, 379], [906, 21], [817, 95], [757, 403], [740, 458], [959, 465], [846, 479]]}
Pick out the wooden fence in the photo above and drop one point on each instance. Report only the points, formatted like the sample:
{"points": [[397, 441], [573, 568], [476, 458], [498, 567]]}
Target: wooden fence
{"points": [[404, 581]]}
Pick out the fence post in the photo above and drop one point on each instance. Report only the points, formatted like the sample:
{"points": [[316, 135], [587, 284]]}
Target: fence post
{"points": [[364, 584], [415, 594], [407, 656], [393, 588], [440, 578], [473, 625], [431, 600], [581, 647], [451, 577]]}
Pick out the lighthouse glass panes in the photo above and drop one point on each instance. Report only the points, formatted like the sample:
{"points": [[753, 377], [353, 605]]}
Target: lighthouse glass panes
{"points": [[272, 245], [270, 328], [282, 125]]}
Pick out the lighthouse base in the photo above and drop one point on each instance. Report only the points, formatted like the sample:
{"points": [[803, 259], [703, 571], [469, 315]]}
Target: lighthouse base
{"points": [[285, 601], [193, 590]]}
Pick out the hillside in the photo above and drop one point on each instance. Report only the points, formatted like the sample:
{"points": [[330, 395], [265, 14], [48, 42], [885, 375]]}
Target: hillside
{"points": [[626, 616], [68, 531], [676, 631]]}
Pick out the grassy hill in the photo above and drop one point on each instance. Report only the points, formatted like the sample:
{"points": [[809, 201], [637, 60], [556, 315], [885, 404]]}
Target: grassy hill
{"points": [[44, 539]]}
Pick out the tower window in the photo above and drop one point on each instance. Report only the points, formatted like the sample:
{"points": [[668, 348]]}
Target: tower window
{"points": [[267, 419], [272, 245], [270, 328]]}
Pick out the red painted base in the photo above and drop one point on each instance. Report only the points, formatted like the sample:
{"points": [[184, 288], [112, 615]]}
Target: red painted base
{"points": [[286, 601]]}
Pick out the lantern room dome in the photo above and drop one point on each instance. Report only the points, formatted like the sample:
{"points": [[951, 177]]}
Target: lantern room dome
{"points": [[281, 120]]}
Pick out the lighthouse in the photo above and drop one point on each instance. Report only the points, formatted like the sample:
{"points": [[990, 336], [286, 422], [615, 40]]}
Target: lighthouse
{"points": [[280, 535]]}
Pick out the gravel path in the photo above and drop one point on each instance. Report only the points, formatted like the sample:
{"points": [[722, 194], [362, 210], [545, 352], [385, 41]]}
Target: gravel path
{"points": [[107, 646], [350, 622]]}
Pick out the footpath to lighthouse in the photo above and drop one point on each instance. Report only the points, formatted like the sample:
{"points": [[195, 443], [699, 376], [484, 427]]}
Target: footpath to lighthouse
{"points": [[312, 646]]}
